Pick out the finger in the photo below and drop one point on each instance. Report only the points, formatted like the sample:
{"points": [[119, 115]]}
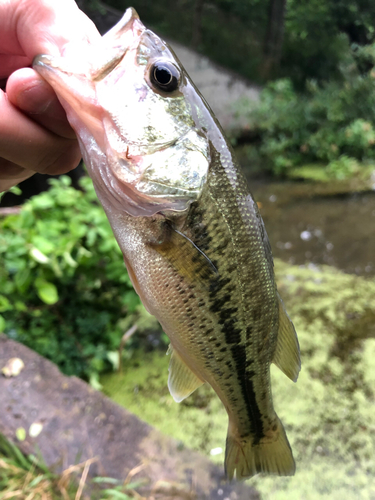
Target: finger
{"points": [[10, 63], [30, 27], [10, 170], [6, 184], [27, 144], [34, 96], [12, 174]]}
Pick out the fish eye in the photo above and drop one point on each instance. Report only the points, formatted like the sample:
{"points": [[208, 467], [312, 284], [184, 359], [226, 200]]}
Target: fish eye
{"points": [[164, 76]]}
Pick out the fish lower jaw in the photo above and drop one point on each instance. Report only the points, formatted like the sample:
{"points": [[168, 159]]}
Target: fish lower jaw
{"points": [[124, 197], [130, 193]]}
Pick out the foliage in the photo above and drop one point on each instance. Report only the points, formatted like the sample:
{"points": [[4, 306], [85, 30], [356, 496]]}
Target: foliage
{"points": [[64, 288], [317, 34], [332, 124], [227, 29], [309, 52]]}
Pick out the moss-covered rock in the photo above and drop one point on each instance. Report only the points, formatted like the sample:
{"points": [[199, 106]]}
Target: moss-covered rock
{"points": [[328, 415], [339, 304]]}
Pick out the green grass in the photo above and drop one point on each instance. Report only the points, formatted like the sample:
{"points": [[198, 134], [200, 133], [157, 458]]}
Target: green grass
{"points": [[28, 478]]}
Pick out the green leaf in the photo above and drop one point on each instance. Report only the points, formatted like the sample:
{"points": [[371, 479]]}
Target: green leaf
{"points": [[115, 494], [46, 291], [42, 244], [38, 256], [22, 279], [94, 382], [20, 434], [2, 324], [20, 306], [44, 258], [42, 201], [113, 358], [15, 190], [109, 480], [36, 481], [65, 180], [69, 259], [5, 305]]}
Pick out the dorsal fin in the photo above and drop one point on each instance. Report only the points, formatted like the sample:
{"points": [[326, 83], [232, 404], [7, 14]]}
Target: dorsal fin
{"points": [[287, 355], [181, 380]]}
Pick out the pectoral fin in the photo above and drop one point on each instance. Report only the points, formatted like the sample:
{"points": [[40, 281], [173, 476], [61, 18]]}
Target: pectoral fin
{"points": [[184, 255], [181, 381], [287, 355]]}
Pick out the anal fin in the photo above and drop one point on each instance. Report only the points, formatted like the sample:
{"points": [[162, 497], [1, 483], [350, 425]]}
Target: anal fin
{"points": [[181, 380], [287, 355]]}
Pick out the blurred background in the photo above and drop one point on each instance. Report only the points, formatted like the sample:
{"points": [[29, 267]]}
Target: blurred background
{"points": [[293, 84]]}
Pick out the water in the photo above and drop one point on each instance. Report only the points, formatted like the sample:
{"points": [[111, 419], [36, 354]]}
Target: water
{"points": [[336, 230]]}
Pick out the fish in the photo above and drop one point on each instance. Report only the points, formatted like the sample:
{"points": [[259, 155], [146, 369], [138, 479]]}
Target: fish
{"points": [[191, 234]]}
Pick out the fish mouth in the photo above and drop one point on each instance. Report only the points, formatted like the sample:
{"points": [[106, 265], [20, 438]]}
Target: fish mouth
{"points": [[90, 81], [74, 74], [107, 53]]}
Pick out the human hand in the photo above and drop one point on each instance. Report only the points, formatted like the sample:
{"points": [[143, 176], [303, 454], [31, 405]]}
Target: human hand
{"points": [[35, 135]]}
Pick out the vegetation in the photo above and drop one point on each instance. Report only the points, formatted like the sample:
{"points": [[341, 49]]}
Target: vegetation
{"points": [[24, 477], [64, 288], [321, 113], [28, 478], [319, 36], [330, 126], [306, 40], [209, 27]]}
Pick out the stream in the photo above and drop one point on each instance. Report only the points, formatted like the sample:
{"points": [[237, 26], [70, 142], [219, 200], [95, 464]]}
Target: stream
{"points": [[305, 226]]}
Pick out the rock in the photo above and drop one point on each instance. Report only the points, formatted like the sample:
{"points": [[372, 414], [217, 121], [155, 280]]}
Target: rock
{"points": [[219, 86], [69, 422]]}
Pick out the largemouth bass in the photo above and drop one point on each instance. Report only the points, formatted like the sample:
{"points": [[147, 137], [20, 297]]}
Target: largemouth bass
{"points": [[191, 234]]}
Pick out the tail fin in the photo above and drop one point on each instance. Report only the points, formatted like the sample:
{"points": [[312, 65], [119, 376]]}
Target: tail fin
{"points": [[268, 456]]}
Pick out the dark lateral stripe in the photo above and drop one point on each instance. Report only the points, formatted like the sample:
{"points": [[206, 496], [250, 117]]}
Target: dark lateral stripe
{"points": [[248, 393], [232, 334]]}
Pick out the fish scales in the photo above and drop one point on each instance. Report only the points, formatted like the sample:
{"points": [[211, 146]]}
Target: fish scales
{"points": [[245, 342], [191, 234]]}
